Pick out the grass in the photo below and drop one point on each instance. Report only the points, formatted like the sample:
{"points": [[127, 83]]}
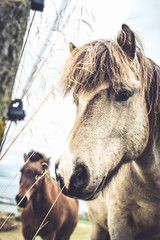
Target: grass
{"points": [[82, 231]]}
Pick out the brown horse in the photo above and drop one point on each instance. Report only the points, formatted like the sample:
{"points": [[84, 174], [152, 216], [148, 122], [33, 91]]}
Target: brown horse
{"points": [[112, 158], [63, 217]]}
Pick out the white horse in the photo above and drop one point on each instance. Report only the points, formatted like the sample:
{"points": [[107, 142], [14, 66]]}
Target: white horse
{"points": [[112, 158]]}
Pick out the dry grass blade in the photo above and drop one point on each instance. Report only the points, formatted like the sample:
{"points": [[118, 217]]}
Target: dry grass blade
{"points": [[35, 112], [15, 176], [43, 222], [9, 184], [9, 2], [23, 198]]}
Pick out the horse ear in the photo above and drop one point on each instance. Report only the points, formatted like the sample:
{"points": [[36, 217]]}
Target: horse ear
{"points": [[126, 40], [45, 163], [25, 157], [71, 47]]}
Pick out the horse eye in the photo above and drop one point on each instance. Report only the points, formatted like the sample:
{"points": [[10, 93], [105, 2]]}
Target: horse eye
{"points": [[122, 96]]}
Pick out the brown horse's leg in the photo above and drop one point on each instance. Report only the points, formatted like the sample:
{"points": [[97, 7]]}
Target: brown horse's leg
{"points": [[51, 236], [27, 233], [62, 237]]}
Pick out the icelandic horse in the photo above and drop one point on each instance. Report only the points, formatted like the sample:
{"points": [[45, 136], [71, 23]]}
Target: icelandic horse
{"points": [[112, 156], [36, 202]]}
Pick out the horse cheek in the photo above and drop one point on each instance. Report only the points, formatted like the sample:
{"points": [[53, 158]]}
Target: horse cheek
{"points": [[138, 132]]}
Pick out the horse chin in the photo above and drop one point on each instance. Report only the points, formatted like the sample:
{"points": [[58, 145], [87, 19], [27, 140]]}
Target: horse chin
{"points": [[83, 194], [23, 205], [99, 188]]}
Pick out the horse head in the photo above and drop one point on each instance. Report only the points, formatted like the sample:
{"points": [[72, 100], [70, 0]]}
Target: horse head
{"points": [[32, 176], [111, 82]]}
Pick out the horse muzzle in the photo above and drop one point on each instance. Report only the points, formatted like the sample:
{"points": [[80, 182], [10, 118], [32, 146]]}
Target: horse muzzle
{"points": [[77, 187], [21, 201]]}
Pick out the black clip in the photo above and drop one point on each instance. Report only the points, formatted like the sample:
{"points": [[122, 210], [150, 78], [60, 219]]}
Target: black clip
{"points": [[37, 5], [15, 111]]}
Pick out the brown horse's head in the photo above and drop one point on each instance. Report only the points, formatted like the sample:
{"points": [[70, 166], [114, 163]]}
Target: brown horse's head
{"points": [[32, 172], [115, 88]]}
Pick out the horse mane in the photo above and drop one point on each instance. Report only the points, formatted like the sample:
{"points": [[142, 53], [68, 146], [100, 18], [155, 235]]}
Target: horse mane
{"points": [[153, 97], [91, 65], [35, 156], [102, 61]]}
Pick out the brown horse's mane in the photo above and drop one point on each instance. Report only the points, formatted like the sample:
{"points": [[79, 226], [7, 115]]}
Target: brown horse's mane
{"points": [[102, 61], [35, 156]]}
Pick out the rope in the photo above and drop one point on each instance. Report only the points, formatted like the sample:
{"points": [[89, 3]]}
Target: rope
{"points": [[24, 45], [4, 138]]}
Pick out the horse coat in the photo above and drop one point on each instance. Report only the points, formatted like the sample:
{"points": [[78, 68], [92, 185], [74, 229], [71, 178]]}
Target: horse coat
{"points": [[112, 156]]}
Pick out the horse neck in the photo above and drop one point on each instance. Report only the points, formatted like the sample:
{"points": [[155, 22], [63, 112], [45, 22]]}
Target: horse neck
{"points": [[148, 164], [40, 198]]}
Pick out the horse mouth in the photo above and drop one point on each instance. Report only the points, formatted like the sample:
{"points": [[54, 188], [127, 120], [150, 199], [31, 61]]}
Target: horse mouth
{"points": [[97, 190], [84, 194], [22, 202], [107, 179]]}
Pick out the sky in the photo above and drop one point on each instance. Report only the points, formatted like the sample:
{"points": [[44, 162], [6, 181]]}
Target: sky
{"points": [[46, 52]]}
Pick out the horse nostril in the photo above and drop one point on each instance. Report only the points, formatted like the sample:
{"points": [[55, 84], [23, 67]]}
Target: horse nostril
{"points": [[17, 199], [80, 178], [21, 203]]}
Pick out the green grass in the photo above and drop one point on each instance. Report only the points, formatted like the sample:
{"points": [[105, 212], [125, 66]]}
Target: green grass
{"points": [[82, 231], [12, 235], [84, 221]]}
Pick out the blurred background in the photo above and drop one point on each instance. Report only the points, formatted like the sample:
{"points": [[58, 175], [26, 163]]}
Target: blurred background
{"points": [[45, 53]]}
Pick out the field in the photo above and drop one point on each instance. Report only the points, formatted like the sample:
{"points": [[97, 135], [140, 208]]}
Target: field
{"points": [[82, 231]]}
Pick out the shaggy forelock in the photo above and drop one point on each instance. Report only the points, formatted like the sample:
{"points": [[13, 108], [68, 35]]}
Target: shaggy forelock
{"points": [[35, 156], [104, 61], [93, 64]]}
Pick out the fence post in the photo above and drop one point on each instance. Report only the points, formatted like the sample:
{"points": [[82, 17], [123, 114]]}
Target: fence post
{"points": [[13, 22]]}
